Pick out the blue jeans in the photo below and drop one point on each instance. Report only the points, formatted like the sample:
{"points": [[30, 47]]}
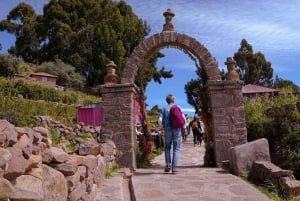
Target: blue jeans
{"points": [[172, 137]]}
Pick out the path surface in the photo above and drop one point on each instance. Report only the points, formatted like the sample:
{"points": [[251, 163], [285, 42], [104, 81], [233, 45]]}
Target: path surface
{"points": [[192, 182]]}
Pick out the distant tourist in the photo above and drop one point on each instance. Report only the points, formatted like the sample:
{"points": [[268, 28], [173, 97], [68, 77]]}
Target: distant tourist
{"points": [[197, 127], [185, 130]]}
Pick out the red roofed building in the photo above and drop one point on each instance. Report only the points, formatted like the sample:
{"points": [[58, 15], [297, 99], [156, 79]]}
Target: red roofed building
{"points": [[251, 90], [44, 78]]}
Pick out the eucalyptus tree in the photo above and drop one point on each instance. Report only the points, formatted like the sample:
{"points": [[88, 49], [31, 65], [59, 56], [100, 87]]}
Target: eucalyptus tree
{"points": [[25, 25], [253, 68], [87, 34]]}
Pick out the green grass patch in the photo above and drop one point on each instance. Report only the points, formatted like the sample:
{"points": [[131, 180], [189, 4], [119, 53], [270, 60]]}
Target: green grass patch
{"points": [[111, 170], [270, 189]]}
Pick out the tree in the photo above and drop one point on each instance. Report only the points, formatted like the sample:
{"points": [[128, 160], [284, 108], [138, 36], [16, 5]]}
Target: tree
{"points": [[9, 65], [196, 90], [253, 68], [25, 25], [84, 34], [146, 72], [289, 85], [66, 74]]}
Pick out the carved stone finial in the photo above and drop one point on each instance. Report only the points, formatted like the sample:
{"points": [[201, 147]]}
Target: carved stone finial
{"points": [[168, 26], [111, 77], [231, 74]]}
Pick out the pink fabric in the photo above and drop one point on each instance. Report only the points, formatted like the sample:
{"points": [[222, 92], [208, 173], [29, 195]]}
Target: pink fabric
{"points": [[138, 116], [90, 116]]}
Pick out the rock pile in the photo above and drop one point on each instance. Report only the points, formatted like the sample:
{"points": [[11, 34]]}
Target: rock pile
{"points": [[253, 160], [32, 168], [61, 130]]}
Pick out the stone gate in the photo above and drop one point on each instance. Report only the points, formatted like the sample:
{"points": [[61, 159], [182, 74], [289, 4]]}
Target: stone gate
{"points": [[225, 96]]}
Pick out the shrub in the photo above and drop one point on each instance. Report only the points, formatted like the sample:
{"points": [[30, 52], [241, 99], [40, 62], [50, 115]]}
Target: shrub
{"points": [[277, 120]]}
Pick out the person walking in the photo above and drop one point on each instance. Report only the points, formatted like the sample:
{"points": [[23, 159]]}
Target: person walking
{"points": [[197, 130], [172, 137]]}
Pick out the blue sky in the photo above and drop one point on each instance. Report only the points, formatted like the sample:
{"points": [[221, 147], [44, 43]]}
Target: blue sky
{"points": [[270, 26]]}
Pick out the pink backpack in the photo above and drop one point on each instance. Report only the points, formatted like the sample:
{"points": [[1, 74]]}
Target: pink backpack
{"points": [[176, 117]]}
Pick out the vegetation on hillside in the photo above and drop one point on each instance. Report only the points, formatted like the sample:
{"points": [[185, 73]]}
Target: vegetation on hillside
{"points": [[20, 101]]}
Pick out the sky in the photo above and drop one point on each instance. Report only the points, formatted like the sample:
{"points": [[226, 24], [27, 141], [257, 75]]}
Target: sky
{"points": [[270, 26]]}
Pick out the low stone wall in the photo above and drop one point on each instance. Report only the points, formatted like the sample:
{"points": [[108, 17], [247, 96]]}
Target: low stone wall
{"points": [[32, 168], [265, 171], [253, 160]]}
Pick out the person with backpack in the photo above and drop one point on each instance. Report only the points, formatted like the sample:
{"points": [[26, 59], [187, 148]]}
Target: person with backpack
{"points": [[197, 130], [172, 121]]}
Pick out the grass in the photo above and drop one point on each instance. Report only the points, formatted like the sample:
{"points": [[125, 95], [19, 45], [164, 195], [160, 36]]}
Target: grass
{"points": [[39, 100], [270, 190], [111, 170]]}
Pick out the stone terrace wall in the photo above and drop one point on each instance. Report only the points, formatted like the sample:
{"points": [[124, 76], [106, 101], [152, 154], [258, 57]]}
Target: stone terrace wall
{"points": [[31, 168]]}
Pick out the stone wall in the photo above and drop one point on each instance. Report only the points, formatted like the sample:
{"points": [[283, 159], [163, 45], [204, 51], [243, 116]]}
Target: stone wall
{"points": [[32, 168], [253, 160]]}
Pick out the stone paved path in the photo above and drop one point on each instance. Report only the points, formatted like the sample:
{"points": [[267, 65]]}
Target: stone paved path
{"points": [[192, 183]]}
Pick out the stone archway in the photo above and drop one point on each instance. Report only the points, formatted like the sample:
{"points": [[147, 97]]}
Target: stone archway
{"points": [[169, 39], [227, 109]]}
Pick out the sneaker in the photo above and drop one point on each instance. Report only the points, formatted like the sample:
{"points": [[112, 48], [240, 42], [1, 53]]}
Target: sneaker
{"points": [[168, 168], [174, 170]]}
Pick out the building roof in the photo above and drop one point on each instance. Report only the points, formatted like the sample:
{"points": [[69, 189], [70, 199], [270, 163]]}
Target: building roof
{"points": [[43, 74], [251, 88]]}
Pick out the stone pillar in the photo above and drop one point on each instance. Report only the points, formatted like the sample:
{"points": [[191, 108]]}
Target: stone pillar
{"points": [[118, 122], [228, 117]]}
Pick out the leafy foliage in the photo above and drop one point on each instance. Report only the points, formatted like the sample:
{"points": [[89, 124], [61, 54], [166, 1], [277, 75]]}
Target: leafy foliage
{"points": [[111, 170], [15, 88], [66, 74], [31, 91], [84, 34], [286, 85], [196, 90], [9, 65], [38, 100], [22, 111], [277, 120], [253, 68], [25, 25]]}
